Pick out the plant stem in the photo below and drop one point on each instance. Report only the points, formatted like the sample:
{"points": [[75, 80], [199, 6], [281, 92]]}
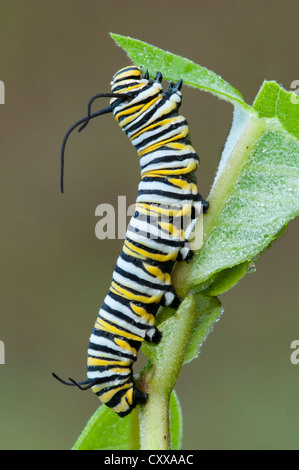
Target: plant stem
{"points": [[159, 377], [154, 423]]}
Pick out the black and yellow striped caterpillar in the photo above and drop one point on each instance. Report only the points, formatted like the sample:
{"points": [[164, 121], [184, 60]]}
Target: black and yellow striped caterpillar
{"points": [[157, 234]]}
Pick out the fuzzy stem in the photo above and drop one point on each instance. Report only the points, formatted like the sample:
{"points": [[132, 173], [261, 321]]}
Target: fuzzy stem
{"points": [[159, 377]]}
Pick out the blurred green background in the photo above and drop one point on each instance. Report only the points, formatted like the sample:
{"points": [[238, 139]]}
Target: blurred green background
{"points": [[242, 392]]}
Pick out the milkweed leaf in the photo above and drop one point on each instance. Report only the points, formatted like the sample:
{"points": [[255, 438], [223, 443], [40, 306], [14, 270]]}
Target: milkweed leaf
{"points": [[174, 67]]}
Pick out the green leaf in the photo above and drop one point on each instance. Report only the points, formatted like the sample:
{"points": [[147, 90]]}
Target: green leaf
{"points": [[227, 278], [174, 67], [107, 431], [253, 199], [273, 101]]}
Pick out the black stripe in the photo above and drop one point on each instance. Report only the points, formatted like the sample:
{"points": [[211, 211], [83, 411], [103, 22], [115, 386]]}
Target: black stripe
{"points": [[165, 267], [139, 280], [133, 291], [116, 399], [165, 180], [109, 367], [150, 308], [145, 120], [122, 316], [107, 350], [170, 158], [124, 71], [155, 138], [113, 377], [166, 240], [143, 102], [115, 88], [107, 389]]}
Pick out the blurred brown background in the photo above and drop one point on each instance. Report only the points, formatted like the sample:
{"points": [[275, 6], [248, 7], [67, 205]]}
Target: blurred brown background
{"points": [[242, 392]]}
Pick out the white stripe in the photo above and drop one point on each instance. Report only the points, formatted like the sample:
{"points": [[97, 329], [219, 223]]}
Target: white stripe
{"points": [[132, 269], [126, 282], [157, 130], [161, 199], [107, 355], [99, 375], [99, 387], [142, 95], [119, 307], [151, 231], [126, 127], [147, 158], [151, 228], [123, 324], [102, 341], [153, 245], [163, 110], [165, 165], [165, 187]]}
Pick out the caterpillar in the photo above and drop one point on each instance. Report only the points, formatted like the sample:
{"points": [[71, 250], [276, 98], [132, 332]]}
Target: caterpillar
{"points": [[157, 234]]}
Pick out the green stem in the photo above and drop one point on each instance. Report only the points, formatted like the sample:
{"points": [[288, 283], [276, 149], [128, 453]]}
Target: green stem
{"points": [[154, 423], [160, 375]]}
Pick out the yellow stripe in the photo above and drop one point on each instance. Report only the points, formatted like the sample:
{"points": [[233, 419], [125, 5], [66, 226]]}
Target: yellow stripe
{"points": [[104, 326], [129, 88], [154, 256], [130, 252], [190, 187], [151, 148], [139, 251], [152, 126], [124, 72], [192, 166], [128, 111], [141, 312], [129, 396], [155, 271], [118, 370], [105, 397], [138, 298], [182, 146], [126, 401], [180, 183], [149, 209], [92, 361], [126, 346], [137, 114], [172, 230], [133, 87]]}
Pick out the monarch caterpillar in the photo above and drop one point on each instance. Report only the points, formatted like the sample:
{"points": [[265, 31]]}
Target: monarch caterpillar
{"points": [[167, 194]]}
